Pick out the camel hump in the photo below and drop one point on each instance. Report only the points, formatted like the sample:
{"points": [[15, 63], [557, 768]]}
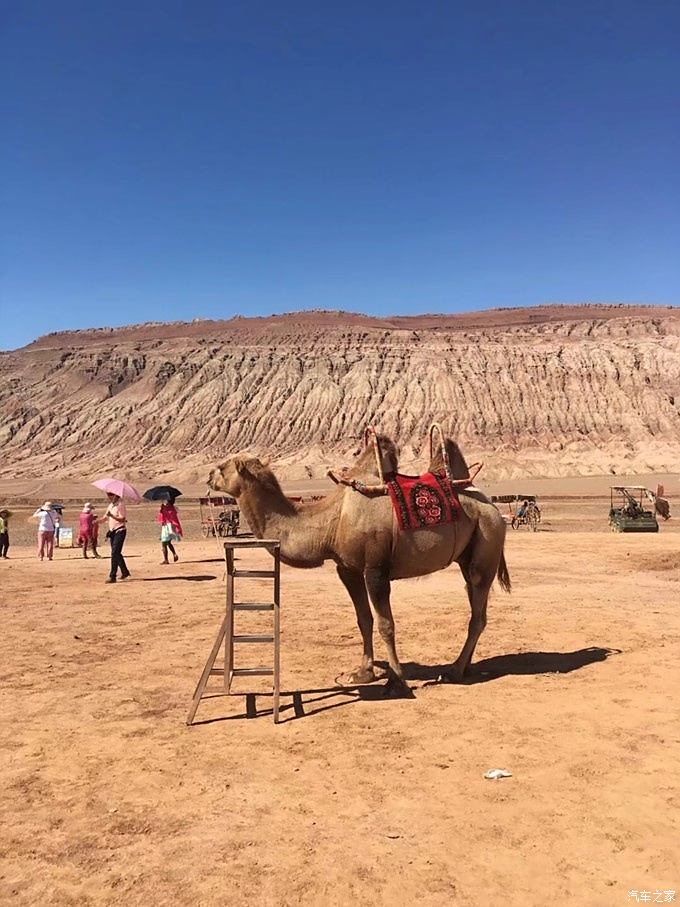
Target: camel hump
{"points": [[379, 457], [457, 462], [447, 457]]}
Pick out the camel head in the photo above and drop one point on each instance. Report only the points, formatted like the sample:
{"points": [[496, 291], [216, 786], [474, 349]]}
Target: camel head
{"points": [[232, 476]]}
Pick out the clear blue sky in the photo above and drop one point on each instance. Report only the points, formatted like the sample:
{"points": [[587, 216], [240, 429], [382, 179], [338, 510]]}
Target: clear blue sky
{"points": [[201, 159]]}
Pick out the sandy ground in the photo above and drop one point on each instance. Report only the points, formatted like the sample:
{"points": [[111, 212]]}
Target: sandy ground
{"points": [[108, 798]]}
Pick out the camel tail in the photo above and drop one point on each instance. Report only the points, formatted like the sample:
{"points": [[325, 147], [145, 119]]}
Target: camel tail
{"points": [[504, 575]]}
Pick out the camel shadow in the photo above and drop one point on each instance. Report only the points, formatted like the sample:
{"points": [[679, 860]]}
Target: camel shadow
{"points": [[201, 578], [515, 664], [293, 706], [324, 699]]}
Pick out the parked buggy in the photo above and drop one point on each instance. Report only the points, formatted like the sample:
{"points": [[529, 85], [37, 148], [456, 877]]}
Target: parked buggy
{"points": [[220, 516], [523, 510], [627, 512]]}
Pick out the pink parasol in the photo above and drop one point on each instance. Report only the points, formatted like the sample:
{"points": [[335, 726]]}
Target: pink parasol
{"points": [[120, 488]]}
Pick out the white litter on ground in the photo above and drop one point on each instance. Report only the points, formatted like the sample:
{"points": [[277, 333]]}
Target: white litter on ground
{"points": [[495, 774]]}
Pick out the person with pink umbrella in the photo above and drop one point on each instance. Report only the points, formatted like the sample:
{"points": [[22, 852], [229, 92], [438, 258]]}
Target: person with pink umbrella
{"points": [[116, 514]]}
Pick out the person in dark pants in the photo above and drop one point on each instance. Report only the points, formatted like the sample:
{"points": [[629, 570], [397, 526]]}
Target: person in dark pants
{"points": [[117, 559], [117, 519], [4, 532]]}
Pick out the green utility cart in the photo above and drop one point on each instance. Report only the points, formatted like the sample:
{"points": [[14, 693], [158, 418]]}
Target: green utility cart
{"points": [[627, 512]]}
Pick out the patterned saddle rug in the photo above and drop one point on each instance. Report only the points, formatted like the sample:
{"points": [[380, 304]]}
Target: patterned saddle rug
{"points": [[420, 501]]}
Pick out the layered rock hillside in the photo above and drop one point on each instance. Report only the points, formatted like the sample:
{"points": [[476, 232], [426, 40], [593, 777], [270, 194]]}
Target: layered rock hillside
{"points": [[556, 390]]}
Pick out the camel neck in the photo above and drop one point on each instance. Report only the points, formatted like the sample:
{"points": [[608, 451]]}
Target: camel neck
{"points": [[265, 512], [302, 530]]}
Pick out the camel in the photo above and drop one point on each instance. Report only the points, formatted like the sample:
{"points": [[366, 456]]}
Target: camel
{"points": [[661, 505], [360, 535]]}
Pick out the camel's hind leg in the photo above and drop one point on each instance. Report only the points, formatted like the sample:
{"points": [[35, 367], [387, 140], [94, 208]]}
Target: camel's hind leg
{"points": [[378, 587], [356, 587], [479, 578]]}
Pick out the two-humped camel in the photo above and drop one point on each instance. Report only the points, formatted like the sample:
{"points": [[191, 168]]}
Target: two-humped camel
{"points": [[361, 535]]}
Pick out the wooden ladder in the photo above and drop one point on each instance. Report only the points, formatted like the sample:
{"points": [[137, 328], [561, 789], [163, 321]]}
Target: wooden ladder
{"points": [[226, 631]]}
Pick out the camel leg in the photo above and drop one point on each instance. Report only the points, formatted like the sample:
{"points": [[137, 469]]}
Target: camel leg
{"points": [[378, 587], [478, 584], [356, 587]]}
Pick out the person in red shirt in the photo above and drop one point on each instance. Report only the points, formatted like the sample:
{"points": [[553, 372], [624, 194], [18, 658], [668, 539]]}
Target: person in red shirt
{"points": [[87, 530], [171, 529]]}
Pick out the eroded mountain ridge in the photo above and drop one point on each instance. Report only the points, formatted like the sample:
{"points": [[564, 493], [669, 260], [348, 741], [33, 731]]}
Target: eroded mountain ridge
{"points": [[550, 391]]}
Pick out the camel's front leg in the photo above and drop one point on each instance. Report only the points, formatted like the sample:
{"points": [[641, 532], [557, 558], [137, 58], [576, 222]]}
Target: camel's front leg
{"points": [[378, 587], [355, 585]]}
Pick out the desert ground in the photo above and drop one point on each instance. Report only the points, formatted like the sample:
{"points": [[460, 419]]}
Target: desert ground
{"points": [[109, 798]]}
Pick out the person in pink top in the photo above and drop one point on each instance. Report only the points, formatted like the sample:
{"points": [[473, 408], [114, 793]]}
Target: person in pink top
{"points": [[86, 531], [116, 515], [171, 529]]}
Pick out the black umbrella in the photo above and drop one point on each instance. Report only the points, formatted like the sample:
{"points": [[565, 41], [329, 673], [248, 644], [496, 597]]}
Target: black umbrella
{"points": [[162, 493]]}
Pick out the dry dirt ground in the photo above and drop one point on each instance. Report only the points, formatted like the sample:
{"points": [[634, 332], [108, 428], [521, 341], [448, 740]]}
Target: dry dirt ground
{"points": [[108, 798]]}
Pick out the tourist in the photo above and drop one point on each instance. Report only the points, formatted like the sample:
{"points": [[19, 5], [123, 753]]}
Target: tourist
{"points": [[87, 530], [117, 520], [171, 529], [58, 513], [46, 527], [4, 533], [95, 531]]}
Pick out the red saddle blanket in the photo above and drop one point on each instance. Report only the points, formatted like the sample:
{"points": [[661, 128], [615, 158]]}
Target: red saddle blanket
{"points": [[426, 500]]}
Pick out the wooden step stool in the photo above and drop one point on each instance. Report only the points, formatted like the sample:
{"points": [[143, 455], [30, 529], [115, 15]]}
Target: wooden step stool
{"points": [[226, 631]]}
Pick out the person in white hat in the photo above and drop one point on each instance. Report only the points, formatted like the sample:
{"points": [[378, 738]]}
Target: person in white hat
{"points": [[47, 525]]}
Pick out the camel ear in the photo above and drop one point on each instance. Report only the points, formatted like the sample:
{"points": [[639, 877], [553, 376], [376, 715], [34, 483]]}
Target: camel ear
{"points": [[265, 462], [240, 465]]}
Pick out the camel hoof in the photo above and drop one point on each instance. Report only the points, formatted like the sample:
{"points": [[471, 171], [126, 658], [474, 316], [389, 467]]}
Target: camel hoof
{"points": [[362, 675], [452, 676], [357, 678], [397, 689]]}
